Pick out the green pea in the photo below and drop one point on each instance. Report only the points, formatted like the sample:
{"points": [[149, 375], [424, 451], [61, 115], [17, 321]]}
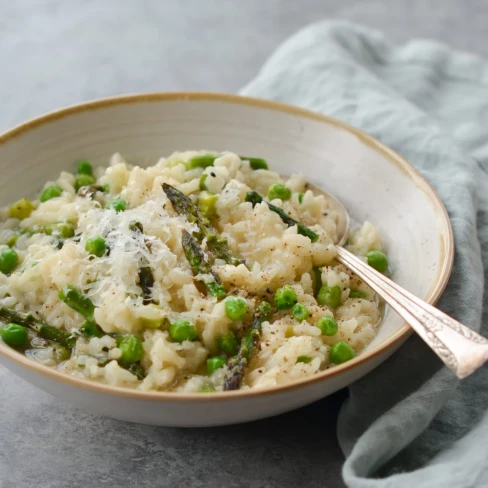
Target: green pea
{"points": [[201, 161], [278, 190], [106, 188], [285, 298], [14, 335], [377, 260], [8, 260], [207, 202], [118, 205], [228, 343], [328, 325], [304, 359], [341, 352], [62, 230], [21, 209], [83, 180], [235, 308], [132, 350], [207, 389], [51, 192], [357, 294], [215, 363], [329, 296], [300, 312], [256, 163], [183, 330], [84, 168], [91, 329], [300, 198], [96, 246]]}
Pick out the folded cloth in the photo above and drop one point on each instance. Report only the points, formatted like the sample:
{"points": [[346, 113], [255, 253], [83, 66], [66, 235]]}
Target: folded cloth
{"points": [[409, 423]]}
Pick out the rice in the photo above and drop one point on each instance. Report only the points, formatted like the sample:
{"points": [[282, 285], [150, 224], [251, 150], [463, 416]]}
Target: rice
{"points": [[273, 255]]}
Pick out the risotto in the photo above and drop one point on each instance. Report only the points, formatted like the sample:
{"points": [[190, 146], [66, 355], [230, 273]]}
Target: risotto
{"points": [[204, 272]]}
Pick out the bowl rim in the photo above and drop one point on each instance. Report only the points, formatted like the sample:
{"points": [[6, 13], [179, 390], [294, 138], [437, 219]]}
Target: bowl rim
{"points": [[437, 287]]}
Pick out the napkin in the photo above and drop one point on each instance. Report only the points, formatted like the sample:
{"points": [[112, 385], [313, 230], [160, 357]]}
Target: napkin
{"points": [[409, 423]]}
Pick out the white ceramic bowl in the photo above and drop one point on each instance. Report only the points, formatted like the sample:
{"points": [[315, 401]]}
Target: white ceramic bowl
{"points": [[371, 180]]}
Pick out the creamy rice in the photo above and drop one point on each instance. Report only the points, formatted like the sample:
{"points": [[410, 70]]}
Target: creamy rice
{"points": [[272, 253]]}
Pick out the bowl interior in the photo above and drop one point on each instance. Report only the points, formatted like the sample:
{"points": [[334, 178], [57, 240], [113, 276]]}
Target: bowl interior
{"points": [[372, 182]]}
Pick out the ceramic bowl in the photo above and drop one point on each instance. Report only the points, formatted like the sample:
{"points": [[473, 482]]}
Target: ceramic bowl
{"points": [[370, 179]]}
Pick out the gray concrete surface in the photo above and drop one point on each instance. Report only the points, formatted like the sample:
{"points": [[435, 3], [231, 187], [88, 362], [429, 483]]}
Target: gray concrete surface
{"points": [[58, 52]]}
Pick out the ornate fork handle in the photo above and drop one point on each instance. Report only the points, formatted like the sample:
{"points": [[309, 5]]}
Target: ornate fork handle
{"points": [[462, 349]]}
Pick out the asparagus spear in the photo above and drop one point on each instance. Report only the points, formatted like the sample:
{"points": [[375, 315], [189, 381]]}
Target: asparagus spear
{"points": [[136, 227], [249, 345], [47, 332], [256, 163], [317, 280], [137, 370], [146, 278], [91, 329], [60, 340], [146, 282], [201, 161], [184, 206], [216, 244], [254, 197], [75, 299], [196, 258]]}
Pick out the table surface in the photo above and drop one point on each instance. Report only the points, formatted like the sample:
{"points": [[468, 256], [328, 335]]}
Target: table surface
{"points": [[54, 53]]}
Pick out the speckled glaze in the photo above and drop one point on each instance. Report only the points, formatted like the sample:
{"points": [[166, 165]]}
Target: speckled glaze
{"points": [[372, 181]]}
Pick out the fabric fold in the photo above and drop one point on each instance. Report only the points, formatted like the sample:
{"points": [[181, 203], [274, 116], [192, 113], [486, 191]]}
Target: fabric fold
{"points": [[409, 422]]}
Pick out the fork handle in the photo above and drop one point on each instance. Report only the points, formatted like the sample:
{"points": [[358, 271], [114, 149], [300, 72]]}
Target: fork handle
{"points": [[461, 349]]}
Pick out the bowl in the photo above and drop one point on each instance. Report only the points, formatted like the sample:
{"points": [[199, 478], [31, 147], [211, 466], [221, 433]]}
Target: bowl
{"points": [[372, 181]]}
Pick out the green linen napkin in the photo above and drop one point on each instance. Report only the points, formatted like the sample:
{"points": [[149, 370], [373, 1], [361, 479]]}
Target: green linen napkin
{"points": [[409, 423]]}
